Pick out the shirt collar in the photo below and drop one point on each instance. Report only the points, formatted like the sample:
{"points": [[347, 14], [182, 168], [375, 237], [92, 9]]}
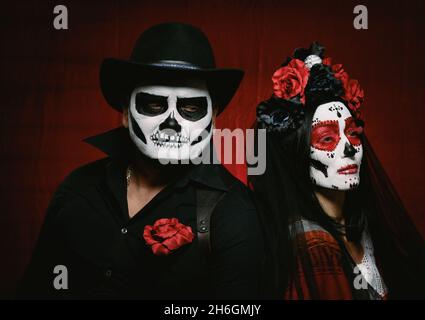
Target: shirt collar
{"points": [[118, 145]]}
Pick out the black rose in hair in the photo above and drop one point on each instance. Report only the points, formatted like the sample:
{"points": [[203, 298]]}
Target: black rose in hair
{"points": [[315, 49], [322, 85], [278, 115]]}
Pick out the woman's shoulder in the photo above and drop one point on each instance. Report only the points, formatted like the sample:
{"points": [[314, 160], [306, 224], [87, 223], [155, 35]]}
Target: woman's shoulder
{"points": [[319, 264], [313, 232], [319, 243]]}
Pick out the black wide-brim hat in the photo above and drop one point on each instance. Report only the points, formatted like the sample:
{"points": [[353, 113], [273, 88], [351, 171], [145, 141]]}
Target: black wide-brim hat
{"points": [[168, 51]]}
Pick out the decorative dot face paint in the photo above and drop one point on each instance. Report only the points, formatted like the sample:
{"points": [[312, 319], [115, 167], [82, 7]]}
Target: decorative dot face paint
{"points": [[170, 122], [336, 150]]}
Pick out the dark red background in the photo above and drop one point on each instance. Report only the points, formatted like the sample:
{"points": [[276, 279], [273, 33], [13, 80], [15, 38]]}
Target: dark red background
{"points": [[50, 97]]}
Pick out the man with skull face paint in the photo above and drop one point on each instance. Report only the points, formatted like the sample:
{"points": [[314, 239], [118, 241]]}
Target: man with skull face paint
{"points": [[336, 228], [148, 221], [168, 122]]}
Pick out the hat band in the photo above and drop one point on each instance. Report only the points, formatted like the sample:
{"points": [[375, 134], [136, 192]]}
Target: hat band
{"points": [[174, 64]]}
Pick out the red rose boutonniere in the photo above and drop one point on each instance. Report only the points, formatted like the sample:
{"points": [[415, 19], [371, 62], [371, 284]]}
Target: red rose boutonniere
{"points": [[167, 235]]}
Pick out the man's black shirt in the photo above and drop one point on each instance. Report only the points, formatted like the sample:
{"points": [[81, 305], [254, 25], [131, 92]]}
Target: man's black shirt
{"points": [[87, 229]]}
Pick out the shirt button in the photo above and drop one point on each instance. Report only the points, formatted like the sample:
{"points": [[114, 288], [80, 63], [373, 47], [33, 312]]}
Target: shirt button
{"points": [[108, 273], [124, 230]]}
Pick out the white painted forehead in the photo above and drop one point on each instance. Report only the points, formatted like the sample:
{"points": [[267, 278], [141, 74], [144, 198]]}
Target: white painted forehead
{"points": [[330, 111], [188, 89]]}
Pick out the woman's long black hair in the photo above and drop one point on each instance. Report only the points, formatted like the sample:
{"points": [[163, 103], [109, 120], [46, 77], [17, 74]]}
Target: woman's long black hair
{"points": [[285, 195]]}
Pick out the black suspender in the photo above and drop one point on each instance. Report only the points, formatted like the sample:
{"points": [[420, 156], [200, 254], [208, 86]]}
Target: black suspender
{"points": [[206, 201]]}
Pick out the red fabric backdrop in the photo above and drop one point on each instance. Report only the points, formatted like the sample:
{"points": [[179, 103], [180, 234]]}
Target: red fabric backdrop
{"points": [[50, 97]]}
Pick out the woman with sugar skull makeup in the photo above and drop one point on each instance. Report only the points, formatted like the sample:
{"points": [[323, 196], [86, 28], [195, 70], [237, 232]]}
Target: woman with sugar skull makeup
{"points": [[336, 228]]}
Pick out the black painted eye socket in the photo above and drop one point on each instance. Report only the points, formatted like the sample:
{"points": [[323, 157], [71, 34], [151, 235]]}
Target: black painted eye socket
{"points": [[192, 109], [150, 105]]}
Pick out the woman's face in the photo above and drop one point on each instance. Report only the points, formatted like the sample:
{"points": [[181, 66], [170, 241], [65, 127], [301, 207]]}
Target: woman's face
{"points": [[336, 149]]}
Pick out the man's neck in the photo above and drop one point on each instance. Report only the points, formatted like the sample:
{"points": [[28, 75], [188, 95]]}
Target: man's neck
{"points": [[332, 203], [150, 173]]}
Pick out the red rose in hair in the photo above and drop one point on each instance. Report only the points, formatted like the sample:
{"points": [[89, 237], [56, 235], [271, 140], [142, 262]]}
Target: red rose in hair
{"points": [[290, 81], [340, 74], [354, 95], [327, 61], [167, 235]]}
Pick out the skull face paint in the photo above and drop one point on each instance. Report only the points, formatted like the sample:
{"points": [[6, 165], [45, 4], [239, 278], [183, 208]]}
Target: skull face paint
{"points": [[336, 150], [171, 122]]}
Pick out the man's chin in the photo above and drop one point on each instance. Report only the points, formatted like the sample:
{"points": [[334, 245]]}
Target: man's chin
{"points": [[184, 155], [172, 156]]}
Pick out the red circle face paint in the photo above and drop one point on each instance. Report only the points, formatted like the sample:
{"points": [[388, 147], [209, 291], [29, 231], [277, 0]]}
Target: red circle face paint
{"points": [[353, 132], [325, 135]]}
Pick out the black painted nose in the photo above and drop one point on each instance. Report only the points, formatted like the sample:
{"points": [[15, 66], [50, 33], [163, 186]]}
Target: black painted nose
{"points": [[170, 123], [349, 150]]}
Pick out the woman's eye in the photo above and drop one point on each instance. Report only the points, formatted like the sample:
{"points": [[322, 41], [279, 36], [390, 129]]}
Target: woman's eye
{"points": [[327, 139], [354, 133]]}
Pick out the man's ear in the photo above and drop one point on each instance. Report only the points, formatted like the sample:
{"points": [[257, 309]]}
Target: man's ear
{"points": [[125, 117]]}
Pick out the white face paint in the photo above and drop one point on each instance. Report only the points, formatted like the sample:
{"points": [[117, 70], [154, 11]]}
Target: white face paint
{"points": [[336, 148], [170, 122]]}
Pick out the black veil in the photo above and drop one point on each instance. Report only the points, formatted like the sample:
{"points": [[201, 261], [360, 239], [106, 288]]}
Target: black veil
{"points": [[284, 195]]}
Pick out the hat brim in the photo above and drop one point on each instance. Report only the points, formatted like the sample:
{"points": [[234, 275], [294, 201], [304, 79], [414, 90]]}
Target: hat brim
{"points": [[118, 78]]}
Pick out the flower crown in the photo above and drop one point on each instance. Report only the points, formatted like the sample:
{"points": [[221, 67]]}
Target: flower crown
{"points": [[306, 79]]}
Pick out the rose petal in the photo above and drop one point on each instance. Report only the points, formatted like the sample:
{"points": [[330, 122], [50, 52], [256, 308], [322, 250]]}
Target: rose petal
{"points": [[160, 250], [166, 231], [179, 239], [187, 234], [173, 243], [160, 222], [147, 235], [327, 61]]}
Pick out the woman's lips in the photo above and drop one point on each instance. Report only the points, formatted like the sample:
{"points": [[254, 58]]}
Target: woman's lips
{"points": [[350, 169]]}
